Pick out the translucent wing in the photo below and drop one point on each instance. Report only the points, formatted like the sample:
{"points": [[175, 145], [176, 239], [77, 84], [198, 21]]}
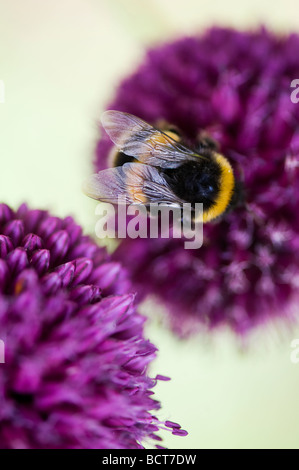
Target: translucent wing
{"points": [[108, 186], [132, 183], [138, 139]]}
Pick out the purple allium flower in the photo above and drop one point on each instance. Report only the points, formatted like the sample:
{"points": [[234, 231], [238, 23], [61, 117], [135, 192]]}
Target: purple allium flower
{"points": [[236, 86], [75, 371]]}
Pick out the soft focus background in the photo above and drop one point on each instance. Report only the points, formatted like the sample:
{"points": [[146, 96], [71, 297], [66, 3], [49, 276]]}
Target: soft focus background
{"points": [[60, 62]]}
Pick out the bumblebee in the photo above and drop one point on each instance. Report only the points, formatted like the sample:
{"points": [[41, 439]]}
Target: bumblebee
{"points": [[155, 166]]}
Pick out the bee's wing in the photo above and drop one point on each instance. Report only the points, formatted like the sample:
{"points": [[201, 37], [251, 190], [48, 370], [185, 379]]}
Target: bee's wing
{"points": [[138, 139], [132, 183], [107, 186]]}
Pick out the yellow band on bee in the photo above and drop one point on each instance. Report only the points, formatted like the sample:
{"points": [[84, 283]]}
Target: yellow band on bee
{"points": [[227, 182], [161, 138]]}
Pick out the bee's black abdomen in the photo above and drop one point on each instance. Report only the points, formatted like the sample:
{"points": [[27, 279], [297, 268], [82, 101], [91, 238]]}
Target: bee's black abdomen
{"points": [[196, 181]]}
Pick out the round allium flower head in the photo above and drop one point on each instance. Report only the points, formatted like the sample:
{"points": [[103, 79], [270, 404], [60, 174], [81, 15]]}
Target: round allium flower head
{"points": [[75, 370], [236, 86]]}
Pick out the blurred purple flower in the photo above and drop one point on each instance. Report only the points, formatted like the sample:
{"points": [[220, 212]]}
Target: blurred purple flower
{"points": [[236, 86], [75, 371]]}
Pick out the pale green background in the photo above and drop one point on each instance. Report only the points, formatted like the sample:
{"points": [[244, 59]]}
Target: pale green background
{"points": [[61, 60]]}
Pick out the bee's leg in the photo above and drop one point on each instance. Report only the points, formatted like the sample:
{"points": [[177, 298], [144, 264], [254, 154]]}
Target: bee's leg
{"points": [[239, 196], [241, 173]]}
